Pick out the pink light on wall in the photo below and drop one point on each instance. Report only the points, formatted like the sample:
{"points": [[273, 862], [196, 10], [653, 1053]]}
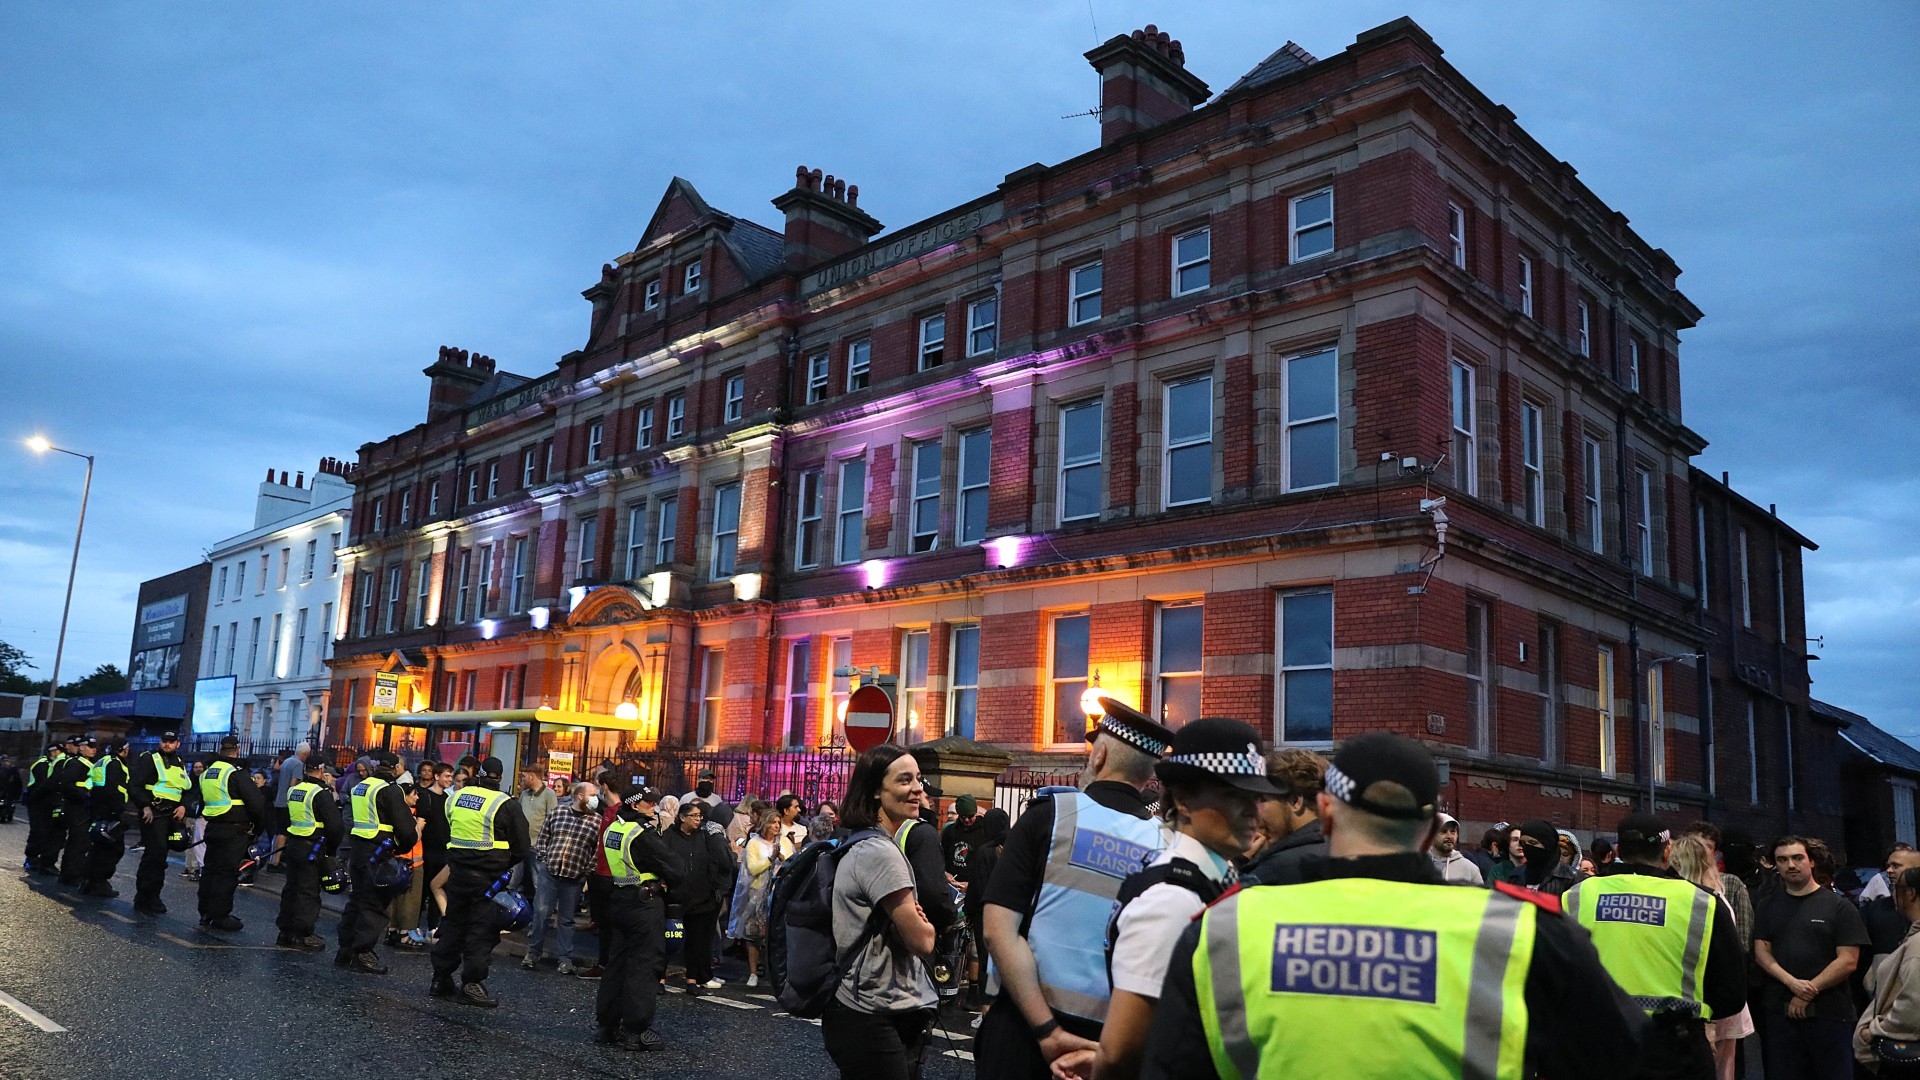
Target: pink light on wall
{"points": [[875, 572], [1006, 550]]}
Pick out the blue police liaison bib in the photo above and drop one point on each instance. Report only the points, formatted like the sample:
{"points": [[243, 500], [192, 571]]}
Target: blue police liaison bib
{"points": [[1356, 961], [1109, 855], [1631, 908]]}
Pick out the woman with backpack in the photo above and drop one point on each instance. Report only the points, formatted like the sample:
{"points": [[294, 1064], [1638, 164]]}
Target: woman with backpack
{"points": [[876, 1025], [1212, 781]]}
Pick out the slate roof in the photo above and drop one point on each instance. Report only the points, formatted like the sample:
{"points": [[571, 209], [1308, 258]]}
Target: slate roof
{"points": [[1285, 60], [500, 382], [1881, 747], [761, 251]]}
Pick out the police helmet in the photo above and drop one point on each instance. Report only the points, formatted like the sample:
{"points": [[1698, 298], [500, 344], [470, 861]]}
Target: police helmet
{"points": [[391, 876], [511, 911], [107, 831], [333, 877]]}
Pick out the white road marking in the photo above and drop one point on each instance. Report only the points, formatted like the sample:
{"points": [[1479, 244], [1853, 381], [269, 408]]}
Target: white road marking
{"points": [[29, 1013], [116, 915], [729, 1002], [761, 997], [963, 1055]]}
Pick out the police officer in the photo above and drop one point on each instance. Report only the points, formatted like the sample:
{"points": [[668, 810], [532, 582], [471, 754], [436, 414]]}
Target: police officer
{"points": [[107, 801], [159, 789], [235, 812], [41, 858], [1669, 943], [641, 872], [314, 829], [381, 828], [1047, 905], [70, 782], [1373, 967], [486, 839]]}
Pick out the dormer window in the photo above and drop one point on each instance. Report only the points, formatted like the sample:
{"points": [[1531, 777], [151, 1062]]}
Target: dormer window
{"points": [[690, 283]]}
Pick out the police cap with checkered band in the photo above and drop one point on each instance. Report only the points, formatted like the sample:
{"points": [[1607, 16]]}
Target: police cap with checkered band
{"points": [[1130, 726], [1385, 774], [1217, 750]]}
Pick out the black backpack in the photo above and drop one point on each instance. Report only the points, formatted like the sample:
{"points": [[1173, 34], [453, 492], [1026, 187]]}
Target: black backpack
{"points": [[802, 963], [1175, 871]]}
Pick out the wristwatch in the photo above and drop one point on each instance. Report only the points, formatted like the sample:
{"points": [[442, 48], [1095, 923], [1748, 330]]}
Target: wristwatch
{"points": [[1041, 1031]]}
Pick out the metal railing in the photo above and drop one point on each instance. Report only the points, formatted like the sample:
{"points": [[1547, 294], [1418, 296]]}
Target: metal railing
{"points": [[1014, 789]]}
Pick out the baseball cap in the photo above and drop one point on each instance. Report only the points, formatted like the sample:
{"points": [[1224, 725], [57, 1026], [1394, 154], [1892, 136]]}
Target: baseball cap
{"points": [[1131, 726], [229, 741], [649, 796], [1385, 774], [383, 758], [1641, 830], [493, 767], [1219, 750], [1448, 821], [169, 736], [703, 774]]}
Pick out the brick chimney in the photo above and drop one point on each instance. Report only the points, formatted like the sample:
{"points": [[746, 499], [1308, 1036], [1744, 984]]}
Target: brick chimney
{"points": [[455, 375], [1144, 81], [824, 219]]}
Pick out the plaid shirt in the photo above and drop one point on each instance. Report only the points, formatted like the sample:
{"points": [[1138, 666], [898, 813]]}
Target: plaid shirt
{"points": [[570, 841]]}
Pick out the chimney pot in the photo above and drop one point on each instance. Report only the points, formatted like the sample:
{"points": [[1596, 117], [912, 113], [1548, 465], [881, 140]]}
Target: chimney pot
{"points": [[800, 176], [1144, 82], [283, 478], [300, 479], [813, 180], [853, 194], [840, 190], [269, 474]]}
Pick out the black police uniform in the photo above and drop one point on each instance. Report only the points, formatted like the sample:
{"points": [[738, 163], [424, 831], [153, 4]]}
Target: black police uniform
{"points": [[42, 850], [636, 930], [152, 873], [70, 787], [300, 895], [109, 802], [1005, 1045], [467, 934], [367, 913], [229, 835]]}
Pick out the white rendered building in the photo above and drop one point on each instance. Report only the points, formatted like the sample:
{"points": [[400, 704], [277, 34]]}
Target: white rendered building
{"points": [[273, 601]]}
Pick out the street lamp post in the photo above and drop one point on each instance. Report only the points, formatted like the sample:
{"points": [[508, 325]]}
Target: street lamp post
{"points": [[1651, 713], [39, 445]]}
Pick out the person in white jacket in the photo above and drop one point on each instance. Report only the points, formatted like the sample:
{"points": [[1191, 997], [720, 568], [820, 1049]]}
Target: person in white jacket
{"points": [[1894, 985], [1456, 868]]}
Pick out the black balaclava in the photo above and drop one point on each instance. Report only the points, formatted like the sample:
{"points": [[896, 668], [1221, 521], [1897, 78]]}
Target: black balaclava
{"points": [[704, 788], [1541, 860]]}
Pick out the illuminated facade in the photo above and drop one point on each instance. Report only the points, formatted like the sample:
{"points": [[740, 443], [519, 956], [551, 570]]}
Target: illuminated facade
{"points": [[1174, 418]]}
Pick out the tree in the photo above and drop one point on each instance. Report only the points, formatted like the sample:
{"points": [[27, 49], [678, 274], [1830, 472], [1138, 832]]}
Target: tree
{"points": [[105, 679], [14, 665]]}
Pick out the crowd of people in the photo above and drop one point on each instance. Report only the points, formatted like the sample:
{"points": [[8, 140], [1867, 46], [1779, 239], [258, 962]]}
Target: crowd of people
{"points": [[1194, 907]]}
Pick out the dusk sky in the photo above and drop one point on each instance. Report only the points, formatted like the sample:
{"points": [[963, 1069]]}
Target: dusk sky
{"points": [[232, 235]]}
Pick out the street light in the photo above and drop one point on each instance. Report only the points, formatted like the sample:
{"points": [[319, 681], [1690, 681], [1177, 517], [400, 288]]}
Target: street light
{"points": [[39, 445], [1651, 734]]}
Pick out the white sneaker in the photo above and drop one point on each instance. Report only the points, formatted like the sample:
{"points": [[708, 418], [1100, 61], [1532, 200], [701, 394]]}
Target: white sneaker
{"points": [[715, 984], [753, 980]]}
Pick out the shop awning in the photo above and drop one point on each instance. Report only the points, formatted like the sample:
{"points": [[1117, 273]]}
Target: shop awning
{"points": [[472, 718]]}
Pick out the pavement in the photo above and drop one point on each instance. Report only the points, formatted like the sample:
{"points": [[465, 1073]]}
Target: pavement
{"points": [[89, 988]]}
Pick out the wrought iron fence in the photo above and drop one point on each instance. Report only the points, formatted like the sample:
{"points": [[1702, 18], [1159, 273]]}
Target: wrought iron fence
{"points": [[814, 775], [1014, 789]]}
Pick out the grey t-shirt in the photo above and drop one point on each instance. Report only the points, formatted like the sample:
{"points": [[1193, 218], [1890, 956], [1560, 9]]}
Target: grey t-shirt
{"points": [[885, 977], [291, 770]]}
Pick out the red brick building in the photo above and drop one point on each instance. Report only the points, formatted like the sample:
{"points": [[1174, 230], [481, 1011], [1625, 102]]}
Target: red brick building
{"points": [[1170, 418]]}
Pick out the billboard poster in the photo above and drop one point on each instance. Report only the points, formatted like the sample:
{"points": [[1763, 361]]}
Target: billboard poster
{"points": [[213, 705], [155, 669], [163, 622]]}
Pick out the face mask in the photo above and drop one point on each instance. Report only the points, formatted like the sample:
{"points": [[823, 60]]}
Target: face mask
{"points": [[704, 788], [591, 802]]}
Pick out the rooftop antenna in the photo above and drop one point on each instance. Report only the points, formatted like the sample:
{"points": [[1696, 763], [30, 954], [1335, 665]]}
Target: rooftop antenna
{"points": [[1095, 111]]}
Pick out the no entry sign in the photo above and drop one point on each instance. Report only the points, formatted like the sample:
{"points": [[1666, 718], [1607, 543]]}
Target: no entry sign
{"points": [[869, 718]]}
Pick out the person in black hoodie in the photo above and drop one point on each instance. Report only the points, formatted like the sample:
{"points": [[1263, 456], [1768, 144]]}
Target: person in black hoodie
{"points": [[236, 810], [1545, 871], [705, 868], [1291, 822], [636, 922], [108, 801]]}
